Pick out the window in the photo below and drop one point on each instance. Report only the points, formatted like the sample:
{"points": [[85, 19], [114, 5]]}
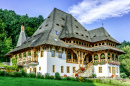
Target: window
{"points": [[69, 55], [74, 56], [60, 54], [110, 69], [76, 26], [30, 70], [39, 68], [57, 24], [100, 69], [53, 53], [117, 69], [48, 16], [73, 69], [42, 53], [63, 18], [68, 69], [62, 69], [46, 25], [53, 68], [77, 33], [62, 26]]}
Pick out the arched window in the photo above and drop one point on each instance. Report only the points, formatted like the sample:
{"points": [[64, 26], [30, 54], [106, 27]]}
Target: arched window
{"points": [[96, 57], [102, 56], [74, 56], [109, 56], [112, 56], [69, 56]]}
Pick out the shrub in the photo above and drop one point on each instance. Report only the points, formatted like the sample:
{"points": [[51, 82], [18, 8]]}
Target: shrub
{"points": [[38, 75], [23, 73], [65, 78], [51, 77], [94, 75], [68, 78], [18, 74], [57, 76], [2, 73], [65, 75], [42, 77], [123, 75], [32, 75], [47, 76], [81, 79], [76, 75]]}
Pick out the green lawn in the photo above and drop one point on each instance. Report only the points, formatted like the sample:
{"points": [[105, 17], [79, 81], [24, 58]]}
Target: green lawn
{"points": [[19, 81]]}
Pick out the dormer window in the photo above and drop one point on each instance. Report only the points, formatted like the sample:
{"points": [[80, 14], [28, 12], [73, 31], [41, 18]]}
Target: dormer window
{"points": [[49, 16], [62, 26], [94, 36], [46, 25], [63, 19], [87, 36], [77, 27], [85, 30], [77, 33], [57, 24], [40, 27], [75, 20], [82, 35]]}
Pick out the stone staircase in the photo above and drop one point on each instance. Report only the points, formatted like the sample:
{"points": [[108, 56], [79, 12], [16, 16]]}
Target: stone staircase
{"points": [[88, 70]]}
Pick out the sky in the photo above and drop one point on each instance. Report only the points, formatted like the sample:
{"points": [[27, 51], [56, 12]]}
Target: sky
{"points": [[114, 14]]}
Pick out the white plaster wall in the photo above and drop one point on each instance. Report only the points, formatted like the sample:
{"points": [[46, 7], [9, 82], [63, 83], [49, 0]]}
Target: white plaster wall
{"points": [[58, 62], [105, 70]]}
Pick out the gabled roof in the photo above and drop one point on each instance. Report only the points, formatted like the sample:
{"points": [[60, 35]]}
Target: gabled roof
{"points": [[59, 25], [100, 34]]}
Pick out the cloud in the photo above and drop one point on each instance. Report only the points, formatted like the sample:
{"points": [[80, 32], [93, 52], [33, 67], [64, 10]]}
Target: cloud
{"points": [[89, 11]]}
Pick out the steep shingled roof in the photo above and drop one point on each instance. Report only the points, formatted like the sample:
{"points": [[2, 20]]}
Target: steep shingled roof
{"points": [[60, 25]]}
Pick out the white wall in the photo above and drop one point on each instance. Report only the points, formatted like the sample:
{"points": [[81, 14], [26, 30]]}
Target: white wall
{"points": [[105, 70]]}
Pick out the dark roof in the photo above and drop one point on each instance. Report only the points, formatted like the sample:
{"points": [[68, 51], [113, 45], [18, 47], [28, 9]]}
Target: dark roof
{"points": [[59, 25]]}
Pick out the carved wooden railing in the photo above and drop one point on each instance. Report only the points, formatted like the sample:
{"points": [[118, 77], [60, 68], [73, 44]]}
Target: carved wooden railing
{"points": [[85, 68]]}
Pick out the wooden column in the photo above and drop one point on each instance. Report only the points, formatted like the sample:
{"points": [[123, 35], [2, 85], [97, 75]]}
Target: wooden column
{"points": [[106, 56], [27, 56], [111, 56], [82, 59], [37, 55], [17, 58], [32, 55], [93, 58], [72, 57], [22, 56], [99, 57]]}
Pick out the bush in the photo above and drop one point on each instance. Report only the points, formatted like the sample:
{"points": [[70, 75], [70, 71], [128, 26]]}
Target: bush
{"points": [[38, 75], [51, 77], [47, 76], [82, 79], [123, 75], [42, 77], [57, 76], [2, 73], [32, 75], [94, 75], [24, 73], [68, 78], [65, 78], [18, 74]]}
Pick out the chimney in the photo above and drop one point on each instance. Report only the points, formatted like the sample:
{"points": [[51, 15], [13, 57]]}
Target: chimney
{"points": [[22, 26]]}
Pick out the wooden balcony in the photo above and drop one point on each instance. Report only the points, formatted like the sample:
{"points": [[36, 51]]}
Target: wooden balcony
{"points": [[72, 61]]}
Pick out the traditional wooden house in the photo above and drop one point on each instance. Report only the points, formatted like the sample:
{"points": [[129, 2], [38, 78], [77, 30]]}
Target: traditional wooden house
{"points": [[61, 44]]}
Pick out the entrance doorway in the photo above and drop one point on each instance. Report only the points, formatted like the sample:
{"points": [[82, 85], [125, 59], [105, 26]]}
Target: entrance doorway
{"points": [[34, 70], [114, 71]]}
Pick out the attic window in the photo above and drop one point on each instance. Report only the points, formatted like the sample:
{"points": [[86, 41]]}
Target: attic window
{"points": [[99, 43], [102, 43], [109, 35], [80, 43], [62, 26], [85, 30], [48, 16], [84, 44], [63, 18], [74, 41], [82, 35], [46, 25], [94, 36], [40, 28], [87, 36], [77, 27], [76, 20], [95, 44], [57, 24], [77, 33]]}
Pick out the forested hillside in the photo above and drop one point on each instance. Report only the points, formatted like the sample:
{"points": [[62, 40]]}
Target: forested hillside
{"points": [[10, 26]]}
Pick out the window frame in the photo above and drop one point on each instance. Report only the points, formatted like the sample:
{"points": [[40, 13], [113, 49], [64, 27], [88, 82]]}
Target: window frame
{"points": [[62, 69], [68, 71], [109, 69], [39, 68], [52, 54], [99, 70], [59, 54], [74, 68], [42, 52], [53, 68]]}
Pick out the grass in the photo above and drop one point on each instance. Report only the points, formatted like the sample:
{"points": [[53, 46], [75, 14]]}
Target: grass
{"points": [[21, 81]]}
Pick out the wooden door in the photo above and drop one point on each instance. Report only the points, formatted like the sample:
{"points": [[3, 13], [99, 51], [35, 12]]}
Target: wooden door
{"points": [[34, 70], [114, 71]]}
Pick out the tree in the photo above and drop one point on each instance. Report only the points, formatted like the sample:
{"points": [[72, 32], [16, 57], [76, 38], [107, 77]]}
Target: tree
{"points": [[125, 60], [5, 43]]}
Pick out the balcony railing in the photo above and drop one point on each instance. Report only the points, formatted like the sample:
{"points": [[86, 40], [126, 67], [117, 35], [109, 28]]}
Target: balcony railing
{"points": [[71, 61]]}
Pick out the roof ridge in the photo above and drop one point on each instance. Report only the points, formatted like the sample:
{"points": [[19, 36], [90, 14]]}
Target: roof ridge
{"points": [[60, 10]]}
